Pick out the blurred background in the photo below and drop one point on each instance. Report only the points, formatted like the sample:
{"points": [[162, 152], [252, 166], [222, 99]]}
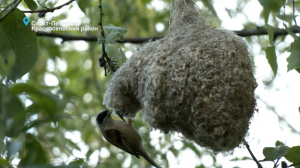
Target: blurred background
{"points": [[48, 114]]}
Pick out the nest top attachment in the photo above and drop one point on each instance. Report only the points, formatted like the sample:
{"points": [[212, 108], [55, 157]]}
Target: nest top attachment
{"points": [[206, 70]]}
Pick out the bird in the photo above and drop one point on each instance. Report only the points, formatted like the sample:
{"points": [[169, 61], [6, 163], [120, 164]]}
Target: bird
{"points": [[122, 135]]}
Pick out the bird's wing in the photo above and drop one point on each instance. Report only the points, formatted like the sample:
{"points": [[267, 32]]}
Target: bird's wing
{"points": [[115, 137], [128, 147]]}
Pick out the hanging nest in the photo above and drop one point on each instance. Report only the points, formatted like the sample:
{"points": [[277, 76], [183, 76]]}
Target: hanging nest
{"points": [[218, 98]]}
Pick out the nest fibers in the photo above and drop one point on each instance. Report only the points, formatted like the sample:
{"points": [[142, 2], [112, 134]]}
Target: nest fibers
{"points": [[218, 97]]}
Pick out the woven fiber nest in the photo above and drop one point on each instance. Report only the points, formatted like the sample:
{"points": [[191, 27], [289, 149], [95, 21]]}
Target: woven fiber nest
{"points": [[218, 100]]}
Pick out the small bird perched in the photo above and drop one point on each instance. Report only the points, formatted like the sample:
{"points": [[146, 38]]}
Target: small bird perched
{"points": [[122, 135]]}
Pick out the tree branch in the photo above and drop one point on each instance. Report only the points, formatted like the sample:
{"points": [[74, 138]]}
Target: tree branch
{"points": [[49, 10], [10, 10], [253, 157], [243, 33]]}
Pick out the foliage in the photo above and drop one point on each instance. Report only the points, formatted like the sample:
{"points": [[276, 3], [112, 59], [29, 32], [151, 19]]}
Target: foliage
{"points": [[14, 33], [272, 7], [281, 150]]}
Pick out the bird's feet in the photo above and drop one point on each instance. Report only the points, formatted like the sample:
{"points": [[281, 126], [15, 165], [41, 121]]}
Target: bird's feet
{"points": [[121, 114]]}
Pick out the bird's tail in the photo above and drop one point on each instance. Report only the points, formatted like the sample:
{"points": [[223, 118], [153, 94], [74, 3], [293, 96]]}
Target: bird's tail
{"points": [[147, 157]]}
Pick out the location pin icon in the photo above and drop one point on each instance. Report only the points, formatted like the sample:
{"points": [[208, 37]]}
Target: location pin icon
{"points": [[26, 20]]}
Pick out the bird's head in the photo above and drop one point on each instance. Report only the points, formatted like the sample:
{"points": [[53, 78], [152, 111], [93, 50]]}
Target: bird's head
{"points": [[102, 115]]}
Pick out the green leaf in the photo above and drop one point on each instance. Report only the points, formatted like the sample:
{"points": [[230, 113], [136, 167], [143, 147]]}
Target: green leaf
{"points": [[45, 120], [290, 32], [272, 59], [272, 153], [293, 155], [241, 159], [287, 18], [114, 36], [40, 96], [32, 90], [266, 13], [31, 5], [43, 2], [89, 153], [174, 151], [101, 39], [271, 31], [13, 148], [109, 29], [294, 58], [4, 162], [77, 161], [14, 112], [83, 4], [20, 39], [270, 6], [279, 143], [36, 154], [112, 49], [2, 145]]}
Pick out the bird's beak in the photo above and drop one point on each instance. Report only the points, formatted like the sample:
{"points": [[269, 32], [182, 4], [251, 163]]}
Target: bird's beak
{"points": [[121, 117], [109, 112]]}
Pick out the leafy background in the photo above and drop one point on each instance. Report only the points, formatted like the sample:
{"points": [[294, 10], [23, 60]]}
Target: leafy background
{"points": [[52, 90]]}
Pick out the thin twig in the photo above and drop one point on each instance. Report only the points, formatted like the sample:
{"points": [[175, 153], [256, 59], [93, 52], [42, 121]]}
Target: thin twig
{"points": [[282, 22], [7, 6], [187, 66], [280, 118], [10, 10], [253, 157], [283, 164], [100, 23], [294, 15], [105, 61], [241, 33], [104, 58], [275, 164], [49, 10]]}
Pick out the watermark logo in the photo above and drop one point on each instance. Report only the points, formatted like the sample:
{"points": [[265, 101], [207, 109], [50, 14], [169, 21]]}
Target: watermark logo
{"points": [[26, 20], [58, 26]]}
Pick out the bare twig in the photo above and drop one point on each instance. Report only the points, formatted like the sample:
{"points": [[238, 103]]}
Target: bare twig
{"points": [[253, 157], [282, 22], [105, 61], [242, 33], [283, 164], [49, 10], [272, 108], [187, 66], [275, 164], [102, 60], [10, 10], [7, 6]]}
